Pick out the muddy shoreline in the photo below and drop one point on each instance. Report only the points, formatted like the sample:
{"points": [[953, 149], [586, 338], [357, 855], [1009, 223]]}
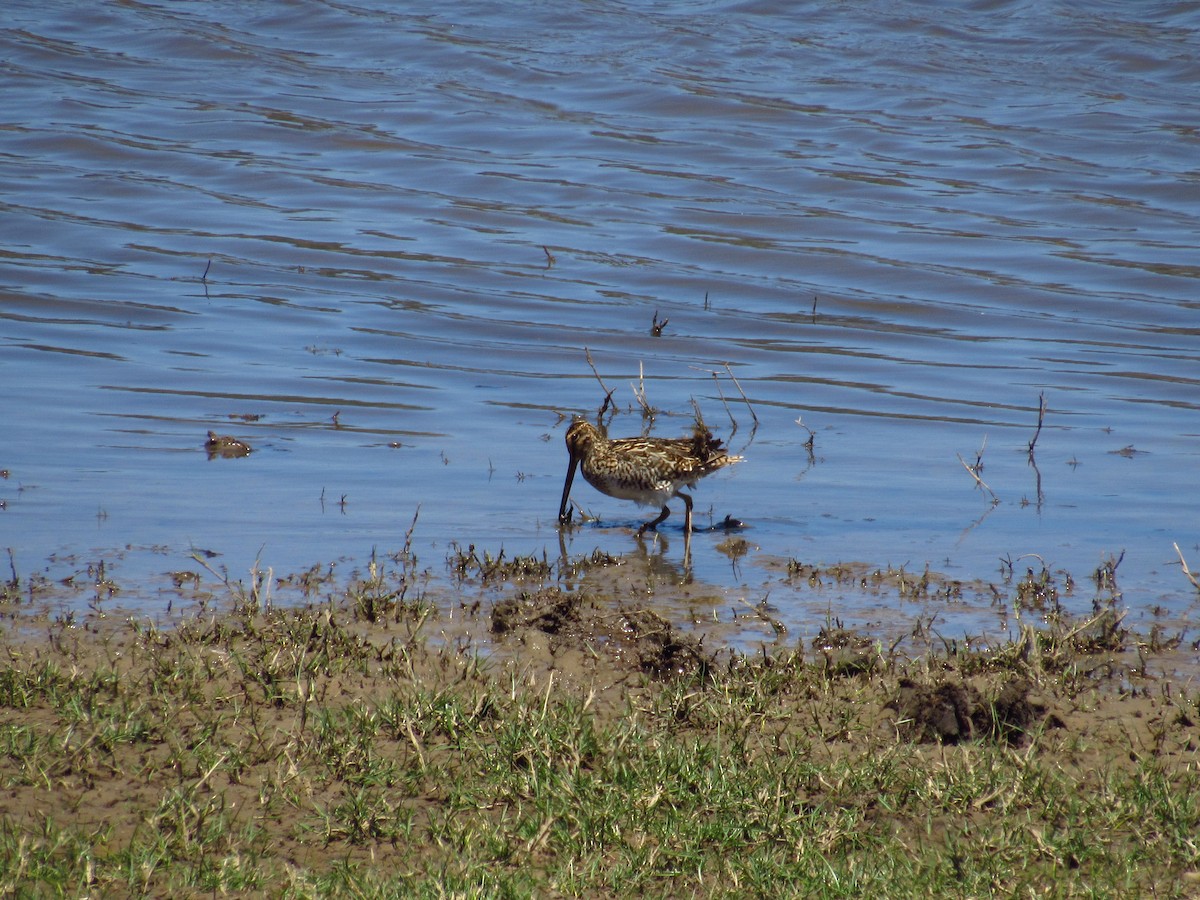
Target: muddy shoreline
{"points": [[373, 742]]}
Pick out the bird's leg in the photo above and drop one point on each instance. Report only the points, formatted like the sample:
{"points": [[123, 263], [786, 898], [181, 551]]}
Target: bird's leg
{"points": [[687, 514], [651, 526]]}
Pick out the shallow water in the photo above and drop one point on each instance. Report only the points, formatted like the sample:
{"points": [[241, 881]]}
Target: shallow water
{"points": [[375, 245]]}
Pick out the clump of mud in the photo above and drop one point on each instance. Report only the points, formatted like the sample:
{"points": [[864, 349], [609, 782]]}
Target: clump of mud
{"points": [[955, 711], [844, 651], [575, 621]]}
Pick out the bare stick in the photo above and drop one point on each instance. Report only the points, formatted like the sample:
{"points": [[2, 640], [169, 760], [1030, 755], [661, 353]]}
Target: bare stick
{"points": [[1041, 418], [550, 261], [733, 378], [204, 277], [720, 393], [604, 387], [979, 481], [1186, 571], [639, 393], [812, 435], [728, 411], [12, 565]]}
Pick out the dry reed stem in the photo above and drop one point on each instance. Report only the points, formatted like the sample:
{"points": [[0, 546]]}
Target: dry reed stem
{"points": [[639, 393], [1183, 565], [604, 387], [979, 481], [745, 399]]}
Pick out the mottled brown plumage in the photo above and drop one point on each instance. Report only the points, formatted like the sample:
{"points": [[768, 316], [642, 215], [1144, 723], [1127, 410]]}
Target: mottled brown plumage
{"points": [[649, 471], [226, 446]]}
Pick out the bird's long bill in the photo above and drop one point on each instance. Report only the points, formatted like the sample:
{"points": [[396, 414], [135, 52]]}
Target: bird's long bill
{"points": [[562, 507]]}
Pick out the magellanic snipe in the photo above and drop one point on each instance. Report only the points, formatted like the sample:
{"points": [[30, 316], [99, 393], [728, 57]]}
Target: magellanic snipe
{"points": [[649, 471]]}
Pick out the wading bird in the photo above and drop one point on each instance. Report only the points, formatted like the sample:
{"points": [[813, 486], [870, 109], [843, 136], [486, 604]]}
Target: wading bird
{"points": [[649, 471]]}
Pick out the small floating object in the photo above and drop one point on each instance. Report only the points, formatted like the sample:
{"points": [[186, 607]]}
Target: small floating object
{"points": [[225, 446], [649, 471], [1129, 452]]}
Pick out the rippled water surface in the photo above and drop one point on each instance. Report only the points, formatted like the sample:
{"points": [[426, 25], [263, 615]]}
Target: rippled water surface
{"points": [[375, 244]]}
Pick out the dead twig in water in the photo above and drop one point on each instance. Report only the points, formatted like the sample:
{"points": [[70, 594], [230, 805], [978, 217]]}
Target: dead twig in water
{"points": [[725, 403], [1183, 565], [812, 436], [1105, 575], [656, 327], [1041, 418], [1042, 407], [979, 456], [550, 260], [721, 393], [639, 394], [745, 399], [604, 387], [973, 471], [979, 481]]}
